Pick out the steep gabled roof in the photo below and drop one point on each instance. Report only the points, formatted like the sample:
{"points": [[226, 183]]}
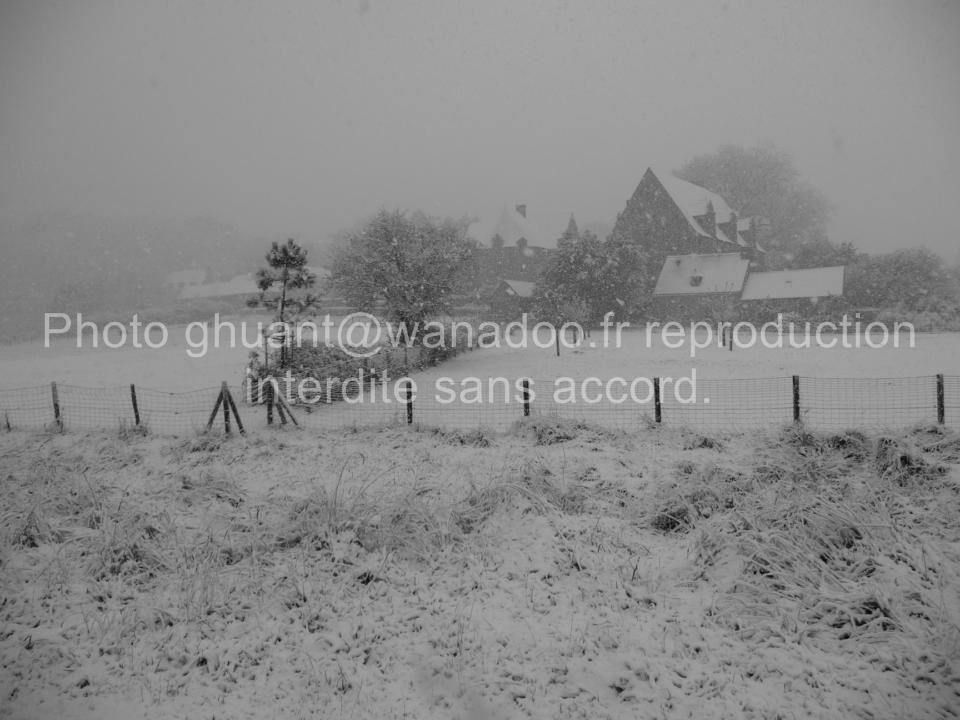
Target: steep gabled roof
{"points": [[702, 274], [784, 284], [694, 201]]}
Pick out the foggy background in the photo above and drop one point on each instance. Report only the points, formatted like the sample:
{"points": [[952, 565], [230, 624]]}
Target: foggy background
{"points": [[195, 127]]}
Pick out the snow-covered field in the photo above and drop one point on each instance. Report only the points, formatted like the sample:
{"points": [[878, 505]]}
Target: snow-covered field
{"points": [[610, 378], [172, 367], [552, 572]]}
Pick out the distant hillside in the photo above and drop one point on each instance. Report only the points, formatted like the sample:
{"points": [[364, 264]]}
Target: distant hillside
{"points": [[84, 263]]}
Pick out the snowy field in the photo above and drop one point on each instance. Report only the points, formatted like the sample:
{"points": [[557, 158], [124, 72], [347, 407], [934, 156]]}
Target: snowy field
{"points": [[850, 384], [181, 365], [555, 572]]}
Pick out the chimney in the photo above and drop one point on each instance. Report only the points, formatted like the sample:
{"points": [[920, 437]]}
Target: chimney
{"points": [[522, 209], [711, 218], [733, 234]]}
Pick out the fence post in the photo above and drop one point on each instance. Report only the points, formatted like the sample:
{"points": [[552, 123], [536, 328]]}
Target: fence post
{"points": [[409, 402], [269, 388], [941, 404], [796, 398], [56, 406], [216, 407], [136, 408], [657, 411], [236, 415], [226, 406], [526, 397]]}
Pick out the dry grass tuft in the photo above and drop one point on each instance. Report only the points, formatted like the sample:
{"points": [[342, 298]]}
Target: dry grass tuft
{"points": [[698, 442], [552, 430], [904, 463], [465, 438]]}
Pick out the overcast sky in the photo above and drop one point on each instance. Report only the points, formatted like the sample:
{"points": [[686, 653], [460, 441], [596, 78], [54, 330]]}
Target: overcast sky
{"points": [[298, 118]]}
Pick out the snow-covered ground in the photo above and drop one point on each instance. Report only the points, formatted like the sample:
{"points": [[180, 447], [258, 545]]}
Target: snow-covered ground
{"points": [[186, 363], [891, 385], [553, 572]]}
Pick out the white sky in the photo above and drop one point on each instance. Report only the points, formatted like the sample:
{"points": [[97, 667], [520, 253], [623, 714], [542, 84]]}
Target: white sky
{"points": [[301, 117]]}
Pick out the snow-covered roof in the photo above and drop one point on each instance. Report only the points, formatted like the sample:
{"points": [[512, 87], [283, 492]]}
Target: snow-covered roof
{"points": [[693, 202], [511, 225], [520, 288], [701, 274], [783, 284], [693, 199]]}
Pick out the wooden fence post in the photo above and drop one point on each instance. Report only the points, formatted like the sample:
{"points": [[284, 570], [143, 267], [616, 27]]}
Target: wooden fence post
{"points": [[409, 402], [226, 407], [526, 397], [269, 393], [290, 414], [796, 398], [657, 410], [941, 403], [136, 407], [216, 407], [236, 415], [56, 406]]}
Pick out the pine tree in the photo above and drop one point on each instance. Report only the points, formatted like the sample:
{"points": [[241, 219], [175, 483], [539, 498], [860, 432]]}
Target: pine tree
{"points": [[287, 270]]}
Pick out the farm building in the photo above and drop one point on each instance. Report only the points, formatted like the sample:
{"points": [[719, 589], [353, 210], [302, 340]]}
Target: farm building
{"points": [[721, 285], [510, 298], [514, 227], [797, 291], [670, 217], [699, 285], [515, 247], [812, 283]]}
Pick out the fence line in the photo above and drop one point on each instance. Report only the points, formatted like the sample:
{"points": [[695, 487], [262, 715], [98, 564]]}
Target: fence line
{"points": [[736, 404]]}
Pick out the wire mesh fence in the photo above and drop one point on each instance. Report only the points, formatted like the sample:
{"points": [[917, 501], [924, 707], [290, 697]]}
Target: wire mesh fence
{"points": [[70, 407], [708, 404]]}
